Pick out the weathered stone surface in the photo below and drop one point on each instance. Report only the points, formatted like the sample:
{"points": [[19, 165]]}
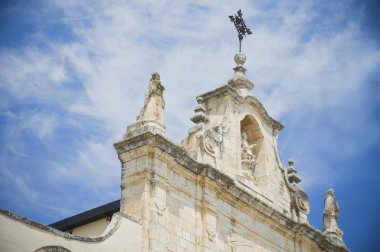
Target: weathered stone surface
{"points": [[224, 188], [188, 190]]}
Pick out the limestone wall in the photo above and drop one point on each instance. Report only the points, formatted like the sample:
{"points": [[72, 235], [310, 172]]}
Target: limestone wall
{"points": [[187, 206]]}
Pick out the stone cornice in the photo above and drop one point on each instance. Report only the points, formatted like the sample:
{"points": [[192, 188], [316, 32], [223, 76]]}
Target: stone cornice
{"points": [[251, 99], [182, 157], [219, 91]]}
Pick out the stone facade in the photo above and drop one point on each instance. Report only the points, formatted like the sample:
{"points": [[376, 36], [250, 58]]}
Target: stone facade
{"points": [[222, 189], [184, 205]]}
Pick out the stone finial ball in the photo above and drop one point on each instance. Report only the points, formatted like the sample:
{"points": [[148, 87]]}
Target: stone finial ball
{"points": [[291, 162], [240, 58]]}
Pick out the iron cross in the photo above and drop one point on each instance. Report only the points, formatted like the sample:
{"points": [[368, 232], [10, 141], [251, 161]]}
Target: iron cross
{"points": [[240, 25]]}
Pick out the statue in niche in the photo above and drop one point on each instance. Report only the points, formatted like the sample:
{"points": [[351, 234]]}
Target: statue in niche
{"points": [[330, 215], [154, 103], [248, 159]]}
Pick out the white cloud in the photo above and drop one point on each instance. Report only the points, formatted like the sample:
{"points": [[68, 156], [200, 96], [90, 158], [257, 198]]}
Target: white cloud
{"points": [[42, 125], [33, 122], [31, 73], [94, 164]]}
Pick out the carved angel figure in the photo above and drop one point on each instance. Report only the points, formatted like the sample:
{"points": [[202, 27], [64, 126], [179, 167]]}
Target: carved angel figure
{"points": [[247, 155], [154, 103], [331, 214]]}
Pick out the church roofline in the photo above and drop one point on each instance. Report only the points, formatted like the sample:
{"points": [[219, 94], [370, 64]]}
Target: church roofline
{"points": [[86, 217], [114, 226]]}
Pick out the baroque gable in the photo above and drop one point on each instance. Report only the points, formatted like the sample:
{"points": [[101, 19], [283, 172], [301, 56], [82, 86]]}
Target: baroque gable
{"points": [[234, 133]]}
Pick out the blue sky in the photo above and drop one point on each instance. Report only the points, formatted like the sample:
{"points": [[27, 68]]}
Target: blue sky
{"points": [[73, 75]]}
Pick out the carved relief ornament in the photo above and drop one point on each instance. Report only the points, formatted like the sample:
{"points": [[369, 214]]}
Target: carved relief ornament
{"points": [[212, 139]]}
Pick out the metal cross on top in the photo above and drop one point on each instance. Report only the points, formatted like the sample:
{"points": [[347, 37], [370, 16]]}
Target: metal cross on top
{"points": [[240, 25]]}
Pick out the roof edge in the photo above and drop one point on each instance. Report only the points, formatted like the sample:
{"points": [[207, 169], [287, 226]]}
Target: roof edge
{"points": [[111, 230], [106, 210]]}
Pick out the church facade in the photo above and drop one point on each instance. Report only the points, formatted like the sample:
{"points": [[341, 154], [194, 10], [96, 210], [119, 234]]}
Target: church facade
{"points": [[222, 189]]}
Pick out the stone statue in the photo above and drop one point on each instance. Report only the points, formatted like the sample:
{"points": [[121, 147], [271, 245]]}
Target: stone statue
{"points": [[299, 204], [154, 104], [248, 159], [331, 214]]}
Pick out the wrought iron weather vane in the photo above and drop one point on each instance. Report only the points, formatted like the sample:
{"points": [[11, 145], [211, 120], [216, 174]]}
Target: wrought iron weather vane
{"points": [[240, 26]]}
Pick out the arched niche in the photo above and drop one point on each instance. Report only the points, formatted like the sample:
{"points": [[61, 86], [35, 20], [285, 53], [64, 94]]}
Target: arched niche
{"points": [[250, 126]]}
